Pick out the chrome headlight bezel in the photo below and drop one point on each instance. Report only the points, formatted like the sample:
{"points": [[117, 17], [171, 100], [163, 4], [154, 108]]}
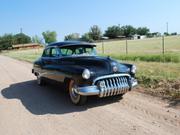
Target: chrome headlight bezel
{"points": [[133, 69], [86, 74]]}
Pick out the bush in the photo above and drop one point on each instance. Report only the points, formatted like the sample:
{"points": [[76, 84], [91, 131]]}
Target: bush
{"points": [[6, 41]]}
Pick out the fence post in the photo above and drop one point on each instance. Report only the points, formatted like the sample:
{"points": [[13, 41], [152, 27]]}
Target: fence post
{"points": [[126, 46], [103, 46], [163, 48]]}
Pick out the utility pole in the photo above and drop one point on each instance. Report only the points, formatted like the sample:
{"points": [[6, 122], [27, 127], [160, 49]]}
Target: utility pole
{"points": [[119, 25], [21, 30], [167, 28]]}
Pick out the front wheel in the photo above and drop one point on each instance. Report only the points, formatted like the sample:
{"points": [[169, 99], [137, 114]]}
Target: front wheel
{"points": [[75, 98]]}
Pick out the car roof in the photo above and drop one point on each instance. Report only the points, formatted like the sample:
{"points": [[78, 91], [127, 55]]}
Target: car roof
{"points": [[70, 43]]}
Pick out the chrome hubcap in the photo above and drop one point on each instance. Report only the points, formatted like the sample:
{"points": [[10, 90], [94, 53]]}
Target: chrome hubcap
{"points": [[74, 96]]}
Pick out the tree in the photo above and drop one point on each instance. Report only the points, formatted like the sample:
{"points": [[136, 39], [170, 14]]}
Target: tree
{"points": [[6, 41], [166, 34], [36, 39], [113, 32], [73, 36], [21, 38], [128, 30], [142, 31], [86, 37], [95, 32], [174, 33], [49, 36]]}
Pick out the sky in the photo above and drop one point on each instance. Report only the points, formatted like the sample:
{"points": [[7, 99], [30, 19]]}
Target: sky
{"points": [[77, 16]]}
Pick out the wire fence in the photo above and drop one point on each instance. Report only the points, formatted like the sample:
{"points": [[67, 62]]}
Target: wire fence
{"points": [[159, 45]]}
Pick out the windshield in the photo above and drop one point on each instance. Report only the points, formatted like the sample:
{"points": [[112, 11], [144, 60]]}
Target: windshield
{"points": [[77, 51]]}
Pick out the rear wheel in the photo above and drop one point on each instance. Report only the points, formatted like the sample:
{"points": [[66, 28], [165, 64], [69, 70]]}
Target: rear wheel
{"points": [[75, 98]]}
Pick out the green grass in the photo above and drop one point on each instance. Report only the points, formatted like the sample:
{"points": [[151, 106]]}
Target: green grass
{"points": [[159, 79], [158, 71], [168, 57]]}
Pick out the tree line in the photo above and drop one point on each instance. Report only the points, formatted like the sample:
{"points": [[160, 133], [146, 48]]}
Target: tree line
{"points": [[7, 40], [112, 32], [95, 33]]}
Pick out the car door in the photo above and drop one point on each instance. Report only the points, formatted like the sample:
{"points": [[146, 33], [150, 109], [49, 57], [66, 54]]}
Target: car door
{"points": [[46, 62], [55, 66]]}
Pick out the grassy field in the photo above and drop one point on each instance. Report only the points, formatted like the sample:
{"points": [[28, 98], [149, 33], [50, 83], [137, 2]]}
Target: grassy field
{"points": [[144, 46], [143, 50]]}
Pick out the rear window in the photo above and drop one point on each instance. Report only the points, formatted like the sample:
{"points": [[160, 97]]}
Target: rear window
{"points": [[46, 52]]}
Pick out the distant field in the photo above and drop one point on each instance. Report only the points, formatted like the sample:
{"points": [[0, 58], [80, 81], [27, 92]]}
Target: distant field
{"points": [[144, 46], [27, 55]]}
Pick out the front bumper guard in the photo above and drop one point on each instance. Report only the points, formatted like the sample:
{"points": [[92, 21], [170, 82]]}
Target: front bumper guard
{"points": [[94, 90]]}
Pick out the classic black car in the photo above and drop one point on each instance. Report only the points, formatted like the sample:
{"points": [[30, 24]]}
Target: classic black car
{"points": [[76, 64]]}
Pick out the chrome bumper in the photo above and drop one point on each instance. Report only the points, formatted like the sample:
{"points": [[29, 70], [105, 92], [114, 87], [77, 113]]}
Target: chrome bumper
{"points": [[134, 83], [88, 90], [95, 90]]}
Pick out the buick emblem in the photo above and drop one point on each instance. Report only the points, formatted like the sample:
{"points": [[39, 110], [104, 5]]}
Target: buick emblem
{"points": [[115, 69]]}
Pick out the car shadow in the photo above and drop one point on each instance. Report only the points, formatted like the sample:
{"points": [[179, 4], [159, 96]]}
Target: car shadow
{"points": [[49, 99]]}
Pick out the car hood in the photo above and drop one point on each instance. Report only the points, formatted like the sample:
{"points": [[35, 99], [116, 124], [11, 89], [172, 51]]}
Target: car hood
{"points": [[96, 64]]}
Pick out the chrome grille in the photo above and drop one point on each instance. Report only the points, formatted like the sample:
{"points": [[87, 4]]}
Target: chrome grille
{"points": [[114, 85]]}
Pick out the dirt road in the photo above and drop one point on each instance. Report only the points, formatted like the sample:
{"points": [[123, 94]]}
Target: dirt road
{"points": [[28, 109]]}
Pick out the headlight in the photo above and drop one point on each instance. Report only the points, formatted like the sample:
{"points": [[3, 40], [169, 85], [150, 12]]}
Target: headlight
{"points": [[86, 74], [133, 69]]}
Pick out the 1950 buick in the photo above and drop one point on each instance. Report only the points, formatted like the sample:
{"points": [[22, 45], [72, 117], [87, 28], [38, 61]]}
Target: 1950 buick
{"points": [[77, 65]]}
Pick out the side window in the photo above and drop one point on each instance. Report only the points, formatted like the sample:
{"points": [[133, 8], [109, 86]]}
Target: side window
{"points": [[79, 51], [54, 52], [66, 52], [46, 53], [89, 50]]}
